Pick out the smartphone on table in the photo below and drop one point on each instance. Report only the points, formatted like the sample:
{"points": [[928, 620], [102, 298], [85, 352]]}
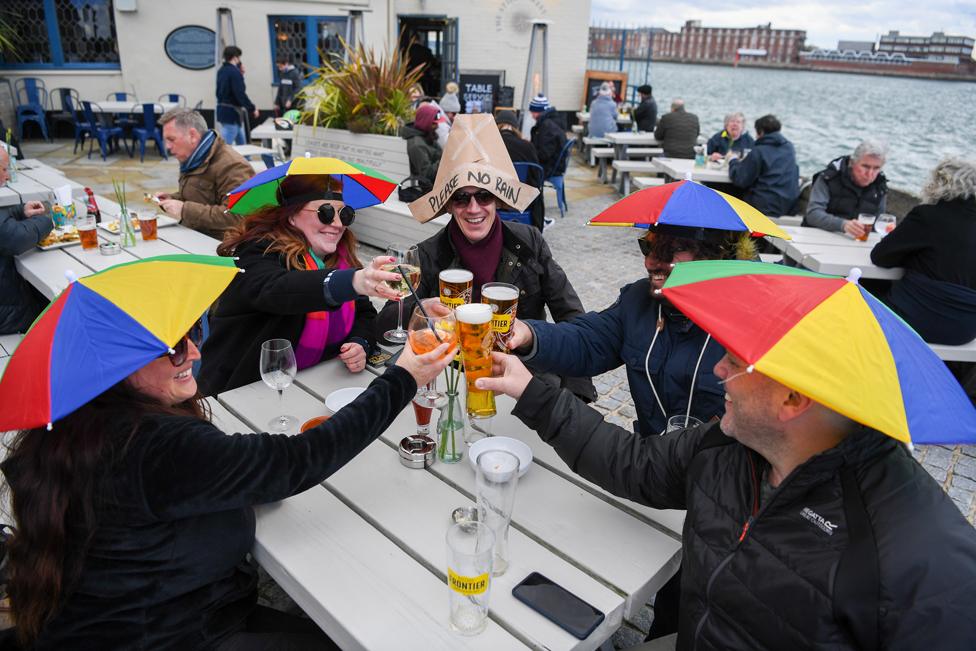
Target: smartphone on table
{"points": [[558, 605]]}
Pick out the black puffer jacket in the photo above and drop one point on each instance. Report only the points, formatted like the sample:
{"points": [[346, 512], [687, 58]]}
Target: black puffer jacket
{"points": [[771, 585], [18, 234], [526, 262], [549, 138]]}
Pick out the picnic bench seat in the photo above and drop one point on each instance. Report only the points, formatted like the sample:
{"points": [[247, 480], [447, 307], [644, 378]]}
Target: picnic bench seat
{"points": [[601, 155], [641, 182], [644, 152], [588, 144], [388, 222], [961, 353]]}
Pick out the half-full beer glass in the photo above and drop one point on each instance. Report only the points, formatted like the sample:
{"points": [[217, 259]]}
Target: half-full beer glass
{"points": [[474, 329], [455, 286], [503, 299]]}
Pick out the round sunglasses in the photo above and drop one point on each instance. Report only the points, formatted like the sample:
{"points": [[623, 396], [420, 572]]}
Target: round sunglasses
{"points": [[327, 213], [182, 349]]}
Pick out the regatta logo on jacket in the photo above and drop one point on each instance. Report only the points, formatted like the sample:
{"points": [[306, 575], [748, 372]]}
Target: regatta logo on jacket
{"points": [[822, 523]]}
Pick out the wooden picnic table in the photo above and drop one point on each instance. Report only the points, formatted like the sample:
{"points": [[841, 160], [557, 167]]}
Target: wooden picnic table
{"points": [[679, 168], [563, 527]]}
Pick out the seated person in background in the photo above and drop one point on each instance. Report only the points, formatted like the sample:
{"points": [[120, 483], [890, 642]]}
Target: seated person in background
{"points": [[769, 174], [850, 185], [935, 245], [209, 169], [603, 113], [477, 240], [21, 228], [149, 520], [548, 136], [733, 138], [521, 150], [678, 131], [298, 261], [421, 136], [646, 112], [774, 494]]}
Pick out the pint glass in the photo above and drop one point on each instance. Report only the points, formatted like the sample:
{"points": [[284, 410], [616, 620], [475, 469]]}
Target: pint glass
{"points": [[503, 299], [866, 220], [455, 285], [147, 226], [474, 328], [87, 234], [469, 558]]}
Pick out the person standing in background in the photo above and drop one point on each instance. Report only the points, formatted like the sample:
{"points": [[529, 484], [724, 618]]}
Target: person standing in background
{"points": [[646, 112], [289, 83], [232, 97]]}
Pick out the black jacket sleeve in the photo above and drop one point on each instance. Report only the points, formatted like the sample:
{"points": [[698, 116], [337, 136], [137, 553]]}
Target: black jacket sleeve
{"points": [[191, 467], [650, 470], [18, 234], [902, 243], [363, 327]]}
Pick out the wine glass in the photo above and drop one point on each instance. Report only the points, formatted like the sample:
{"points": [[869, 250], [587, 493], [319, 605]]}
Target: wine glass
{"points": [[407, 257], [278, 369], [427, 333], [884, 224]]}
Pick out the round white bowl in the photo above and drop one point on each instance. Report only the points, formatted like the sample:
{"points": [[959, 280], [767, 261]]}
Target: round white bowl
{"points": [[515, 446]]}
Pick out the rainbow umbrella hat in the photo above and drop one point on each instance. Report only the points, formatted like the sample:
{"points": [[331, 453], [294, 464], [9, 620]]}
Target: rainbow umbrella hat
{"points": [[103, 328], [361, 186], [687, 204], [829, 339]]}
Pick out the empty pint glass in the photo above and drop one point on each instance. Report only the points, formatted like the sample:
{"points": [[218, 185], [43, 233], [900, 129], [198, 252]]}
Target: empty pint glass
{"points": [[503, 299], [475, 333], [455, 286], [495, 484], [469, 557]]}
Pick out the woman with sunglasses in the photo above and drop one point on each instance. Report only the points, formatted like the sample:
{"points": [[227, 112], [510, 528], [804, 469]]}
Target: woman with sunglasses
{"points": [[478, 240], [134, 514], [303, 283]]}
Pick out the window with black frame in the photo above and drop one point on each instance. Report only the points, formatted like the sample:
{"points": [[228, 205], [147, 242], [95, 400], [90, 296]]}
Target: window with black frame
{"points": [[60, 33]]}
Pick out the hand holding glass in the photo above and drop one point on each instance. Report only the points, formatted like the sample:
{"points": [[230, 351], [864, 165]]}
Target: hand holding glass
{"points": [[278, 369], [405, 257], [427, 333]]}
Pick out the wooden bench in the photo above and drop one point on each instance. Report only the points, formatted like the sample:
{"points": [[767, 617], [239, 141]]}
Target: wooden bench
{"points": [[627, 167], [388, 222]]}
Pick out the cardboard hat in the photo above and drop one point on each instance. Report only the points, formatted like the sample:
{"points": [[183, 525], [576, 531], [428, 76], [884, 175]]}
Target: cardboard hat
{"points": [[474, 156]]}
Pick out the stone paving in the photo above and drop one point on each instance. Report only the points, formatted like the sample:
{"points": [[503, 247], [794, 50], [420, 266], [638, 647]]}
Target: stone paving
{"points": [[598, 261]]}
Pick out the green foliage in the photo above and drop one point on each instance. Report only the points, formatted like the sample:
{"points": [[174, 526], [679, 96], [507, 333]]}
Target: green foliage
{"points": [[368, 93], [7, 38]]}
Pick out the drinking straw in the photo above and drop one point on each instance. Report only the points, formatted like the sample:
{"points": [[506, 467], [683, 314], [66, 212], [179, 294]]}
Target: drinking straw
{"points": [[420, 305]]}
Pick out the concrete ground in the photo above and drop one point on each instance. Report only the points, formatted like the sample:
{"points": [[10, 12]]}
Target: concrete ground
{"points": [[598, 260]]}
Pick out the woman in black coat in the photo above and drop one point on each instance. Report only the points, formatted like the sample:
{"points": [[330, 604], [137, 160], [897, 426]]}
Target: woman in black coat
{"points": [[934, 243], [299, 258]]}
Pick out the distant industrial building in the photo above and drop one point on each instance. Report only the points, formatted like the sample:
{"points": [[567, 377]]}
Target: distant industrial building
{"points": [[856, 46], [723, 44], [938, 47]]}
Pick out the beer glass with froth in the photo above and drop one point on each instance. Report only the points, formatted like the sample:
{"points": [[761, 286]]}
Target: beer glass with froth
{"points": [[474, 329], [503, 299], [455, 286]]}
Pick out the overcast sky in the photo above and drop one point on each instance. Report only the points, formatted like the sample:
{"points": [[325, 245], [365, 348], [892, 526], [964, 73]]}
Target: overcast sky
{"points": [[825, 21]]}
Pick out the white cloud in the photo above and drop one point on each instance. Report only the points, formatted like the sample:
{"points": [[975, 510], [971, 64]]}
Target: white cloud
{"points": [[825, 22]]}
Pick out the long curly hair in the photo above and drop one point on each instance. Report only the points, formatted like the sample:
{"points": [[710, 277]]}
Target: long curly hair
{"points": [[273, 225], [953, 178], [53, 477], [709, 244]]}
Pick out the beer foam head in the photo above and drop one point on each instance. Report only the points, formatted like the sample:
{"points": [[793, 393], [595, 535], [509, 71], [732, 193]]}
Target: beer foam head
{"points": [[473, 313], [459, 276], [496, 292]]}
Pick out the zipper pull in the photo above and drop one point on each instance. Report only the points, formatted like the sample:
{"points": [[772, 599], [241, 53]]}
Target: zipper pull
{"points": [[745, 529]]}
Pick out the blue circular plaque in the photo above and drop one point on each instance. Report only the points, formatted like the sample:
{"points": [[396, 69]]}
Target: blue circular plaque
{"points": [[192, 47]]}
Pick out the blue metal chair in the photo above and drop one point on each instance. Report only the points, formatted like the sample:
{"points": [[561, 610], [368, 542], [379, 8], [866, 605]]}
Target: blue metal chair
{"points": [[108, 136], [148, 129], [556, 182], [174, 98], [125, 120], [31, 98], [524, 169]]}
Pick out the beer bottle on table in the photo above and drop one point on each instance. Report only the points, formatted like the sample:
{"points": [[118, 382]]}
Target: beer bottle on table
{"points": [[93, 210]]}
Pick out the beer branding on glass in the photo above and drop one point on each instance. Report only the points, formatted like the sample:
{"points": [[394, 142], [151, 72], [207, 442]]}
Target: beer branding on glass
{"points": [[503, 299], [474, 327], [455, 286]]}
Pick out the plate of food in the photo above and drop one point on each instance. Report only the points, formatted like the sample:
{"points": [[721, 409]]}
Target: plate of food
{"points": [[112, 225], [60, 238]]}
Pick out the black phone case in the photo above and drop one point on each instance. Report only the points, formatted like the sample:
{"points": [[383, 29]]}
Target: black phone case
{"points": [[554, 617]]}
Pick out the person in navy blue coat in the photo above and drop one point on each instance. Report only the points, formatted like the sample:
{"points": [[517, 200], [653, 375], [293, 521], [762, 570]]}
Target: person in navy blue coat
{"points": [[769, 174], [232, 97]]}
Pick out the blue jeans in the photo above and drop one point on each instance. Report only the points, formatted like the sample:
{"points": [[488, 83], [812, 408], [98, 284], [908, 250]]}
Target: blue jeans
{"points": [[233, 134]]}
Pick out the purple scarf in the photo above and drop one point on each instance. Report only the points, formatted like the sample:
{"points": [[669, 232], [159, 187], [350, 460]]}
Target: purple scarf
{"points": [[480, 258], [324, 329]]}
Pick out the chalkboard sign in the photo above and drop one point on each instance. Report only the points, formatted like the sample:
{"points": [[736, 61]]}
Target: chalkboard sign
{"points": [[594, 78], [479, 89], [506, 96], [192, 47]]}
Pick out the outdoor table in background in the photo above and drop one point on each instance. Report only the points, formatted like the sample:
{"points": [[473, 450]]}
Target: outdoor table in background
{"points": [[678, 169], [834, 253], [578, 537], [114, 106], [584, 117], [623, 139]]}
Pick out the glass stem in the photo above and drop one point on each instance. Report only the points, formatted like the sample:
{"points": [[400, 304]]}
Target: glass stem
{"points": [[281, 408], [400, 315]]}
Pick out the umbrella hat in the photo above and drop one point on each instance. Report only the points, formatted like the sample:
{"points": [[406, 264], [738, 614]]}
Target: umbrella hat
{"points": [[829, 339], [361, 186], [103, 328], [688, 204]]}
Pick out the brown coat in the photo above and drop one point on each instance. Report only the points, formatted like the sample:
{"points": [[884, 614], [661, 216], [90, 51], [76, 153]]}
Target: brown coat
{"points": [[204, 190]]}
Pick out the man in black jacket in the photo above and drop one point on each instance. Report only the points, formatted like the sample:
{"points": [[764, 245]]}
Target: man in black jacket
{"points": [[646, 112], [548, 136], [849, 186], [769, 173], [678, 131], [803, 529], [521, 150]]}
